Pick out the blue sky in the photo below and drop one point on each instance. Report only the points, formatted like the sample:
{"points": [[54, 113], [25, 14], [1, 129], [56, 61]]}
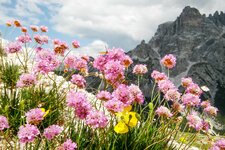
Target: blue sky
{"points": [[100, 23]]}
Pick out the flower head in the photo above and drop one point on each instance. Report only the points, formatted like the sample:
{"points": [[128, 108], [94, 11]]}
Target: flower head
{"points": [[158, 76], [114, 105], [172, 94], [34, 28], [52, 131], [96, 119], [25, 38], [194, 89], [103, 95], [140, 69], [76, 44], [189, 99], [14, 47], [34, 116], [44, 29], [169, 61], [163, 112], [195, 121], [26, 80], [28, 133], [211, 110], [3, 123], [78, 80], [68, 145]]}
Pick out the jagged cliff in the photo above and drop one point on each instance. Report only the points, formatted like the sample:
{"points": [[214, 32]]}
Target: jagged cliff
{"points": [[198, 42]]}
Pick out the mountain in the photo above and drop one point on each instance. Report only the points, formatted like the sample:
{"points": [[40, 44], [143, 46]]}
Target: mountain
{"points": [[198, 42]]}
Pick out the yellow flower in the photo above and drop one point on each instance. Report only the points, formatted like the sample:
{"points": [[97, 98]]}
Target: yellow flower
{"points": [[46, 112], [126, 119], [121, 127]]}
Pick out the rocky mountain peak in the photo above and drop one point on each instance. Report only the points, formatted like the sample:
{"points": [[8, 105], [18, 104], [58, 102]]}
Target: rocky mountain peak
{"points": [[190, 13]]}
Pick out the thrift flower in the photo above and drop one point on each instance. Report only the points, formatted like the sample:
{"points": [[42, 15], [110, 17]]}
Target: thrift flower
{"points": [[169, 61], [9, 23], [24, 38], [185, 82], [165, 85], [194, 89], [17, 23], [68, 145], [52, 131], [163, 112], [158, 76], [205, 104], [195, 121], [190, 99], [28, 133], [34, 116], [172, 94], [44, 29], [211, 110], [24, 29], [136, 94], [140, 69], [34, 28], [103, 95], [78, 80], [13, 47], [96, 119], [76, 44], [114, 105], [26, 80], [3, 123]]}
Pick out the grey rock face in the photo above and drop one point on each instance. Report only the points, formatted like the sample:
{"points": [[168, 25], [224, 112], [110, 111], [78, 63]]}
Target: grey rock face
{"points": [[197, 41]]}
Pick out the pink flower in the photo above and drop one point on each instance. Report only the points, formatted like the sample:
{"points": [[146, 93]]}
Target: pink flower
{"points": [[13, 47], [34, 116], [220, 143], [25, 38], [81, 65], [52, 131], [41, 39], [78, 101], [76, 44], [140, 69], [60, 47], [34, 28], [28, 133], [24, 29], [103, 95], [185, 82], [172, 94], [9, 23], [96, 119], [163, 112], [205, 104], [136, 94], [158, 76], [116, 54], [114, 105], [165, 85], [127, 61], [211, 110], [26, 80], [195, 121], [99, 62], [3, 123], [190, 99], [169, 61], [123, 94], [178, 107], [17, 23], [69, 61], [44, 28], [194, 89], [205, 126], [114, 72], [78, 80], [68, 145]]}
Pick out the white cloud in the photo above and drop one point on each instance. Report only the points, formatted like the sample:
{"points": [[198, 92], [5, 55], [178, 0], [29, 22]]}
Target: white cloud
{"points": [[91, 49]]}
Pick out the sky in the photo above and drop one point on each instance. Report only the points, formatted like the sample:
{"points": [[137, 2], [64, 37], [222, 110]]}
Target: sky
{"points": [[100, 24]]}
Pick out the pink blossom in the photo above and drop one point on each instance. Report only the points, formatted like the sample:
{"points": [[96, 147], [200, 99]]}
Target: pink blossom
{"points": [[158, 76], [9, 23], [26, 80], [13, 47], [99, 62], [185, 82], [195, 121], [96, 119], [44, 28], [81, 65], [3, 123], [190, 99], [34, 116], [69, 61], [165, 85], [169, 61], [52, 131], [114, 72], [123, 94], [115, 54], [194, 89], [172, 94], [76, 44], [24, 29], [136, 94], [28, 133], [114, 105], [78, 80], [25, 38], [211, 110], [60, 47], [163, 112], [220, 143], [178, 107], [205, 126], [68, 145], [127, 61], [85, 57], [205, 104], [103, 95], [34, 28], [140, 69], [17, 23], [41, 39]]}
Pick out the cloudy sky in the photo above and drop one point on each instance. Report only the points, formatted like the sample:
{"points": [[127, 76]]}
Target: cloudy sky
{"points": [[100, 23]]}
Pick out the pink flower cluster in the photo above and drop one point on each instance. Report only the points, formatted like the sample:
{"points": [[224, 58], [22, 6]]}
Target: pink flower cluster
{"points": [[3, 123], [78, 101], [140, 69], [96, 119], [103, 95], [52, 131], [165, 85], [218, 145], [41, 39], [46, 61], [169, 61], [189, 99], [68, 145], [35, 116], [25, 38], [112, 65], [163, 112], [26, 80], [195, 121], [60, 47], [78, 80], [114, 105], [158, 76], [73, 62], [28, 133], [76, 44], [13, 47]]}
